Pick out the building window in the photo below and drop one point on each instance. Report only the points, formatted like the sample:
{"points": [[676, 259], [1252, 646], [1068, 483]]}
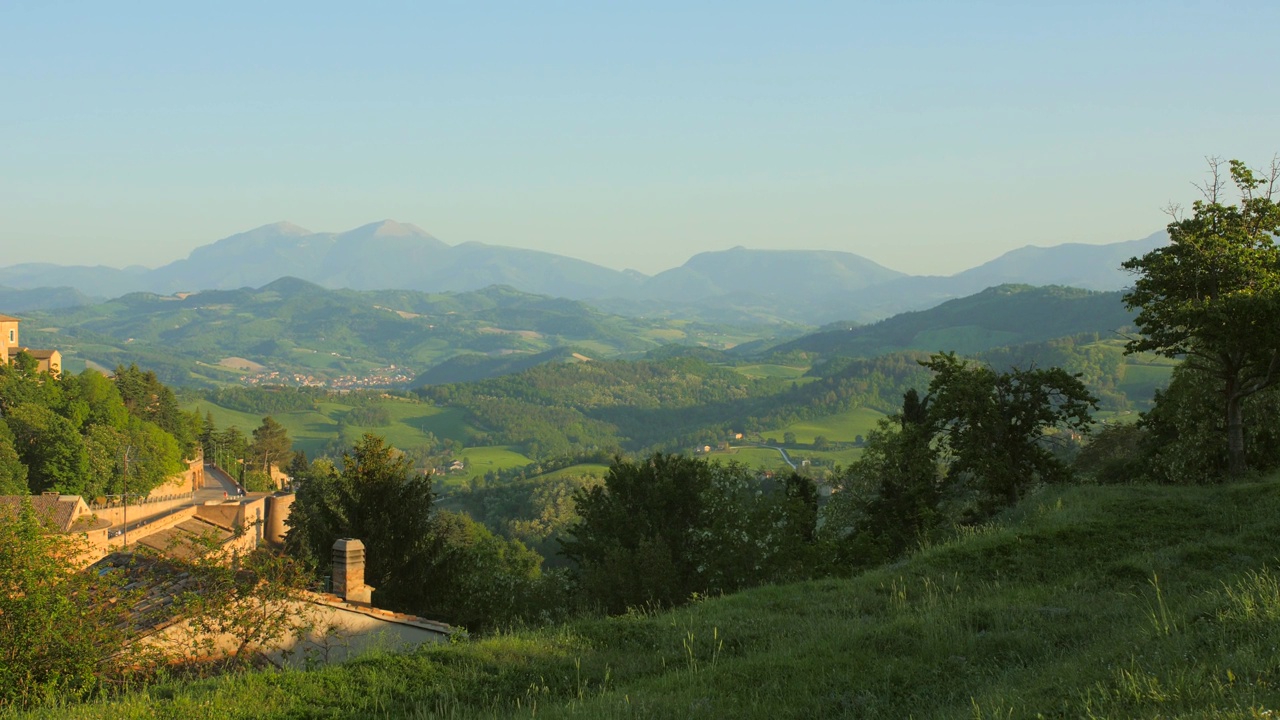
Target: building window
{"points": [[11, 332]]}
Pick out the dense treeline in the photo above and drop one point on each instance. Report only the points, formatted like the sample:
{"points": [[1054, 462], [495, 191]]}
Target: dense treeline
{"points": [[585, 408], [265, 401], [536, 511], [677, 402], [423, 560], [88, 434]]}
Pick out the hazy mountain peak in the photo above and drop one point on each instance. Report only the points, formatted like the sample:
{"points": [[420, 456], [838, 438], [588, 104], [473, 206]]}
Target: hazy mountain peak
{"points": [[284, 227], [391, 228], [388, 229]]}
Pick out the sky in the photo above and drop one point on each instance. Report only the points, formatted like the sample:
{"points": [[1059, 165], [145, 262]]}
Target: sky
{"points": [[927, 136]]}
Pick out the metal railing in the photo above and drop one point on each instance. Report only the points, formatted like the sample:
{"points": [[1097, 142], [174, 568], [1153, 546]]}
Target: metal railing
{"points": [[116, 502]]}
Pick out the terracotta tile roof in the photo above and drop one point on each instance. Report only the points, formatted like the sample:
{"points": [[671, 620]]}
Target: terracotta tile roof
{"points": [[180, 540], [159, 584], [37, 354], [6, 318], [153, 584], [58, 510]]}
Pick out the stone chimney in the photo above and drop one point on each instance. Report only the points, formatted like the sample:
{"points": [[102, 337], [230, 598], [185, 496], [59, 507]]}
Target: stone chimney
{"points": [[348, 572]]}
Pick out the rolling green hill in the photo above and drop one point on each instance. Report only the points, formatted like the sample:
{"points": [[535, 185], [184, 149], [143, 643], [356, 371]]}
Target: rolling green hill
{"points": [[998, 316], [292, 332], [1100, 602]]}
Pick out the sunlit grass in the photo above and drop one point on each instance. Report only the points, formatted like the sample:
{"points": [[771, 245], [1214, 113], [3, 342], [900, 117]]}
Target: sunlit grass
{"points": [[840, 427], [1105, 602]]}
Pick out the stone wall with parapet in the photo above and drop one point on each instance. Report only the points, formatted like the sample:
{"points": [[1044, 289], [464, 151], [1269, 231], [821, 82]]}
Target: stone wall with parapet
{"points": [[147, 509]]}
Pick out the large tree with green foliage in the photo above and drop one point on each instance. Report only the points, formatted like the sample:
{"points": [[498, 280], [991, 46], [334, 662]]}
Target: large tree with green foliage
{"points": [[60, 632], [13, 473], [889, 498], [994, 425], [271, 445], [662, 529], [50, 447], [977, 435], [1212, 295], [376, 498]]}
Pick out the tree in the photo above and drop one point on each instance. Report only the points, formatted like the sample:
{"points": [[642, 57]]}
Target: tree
{"points": [[637, 540], [59, 635], [890, 497], [1213, 293], [147, 398], [13, 473], [474, 578], [660, 530], [50, 447], [271, 445], [1183, 438], [377, 499], [995, 425]]}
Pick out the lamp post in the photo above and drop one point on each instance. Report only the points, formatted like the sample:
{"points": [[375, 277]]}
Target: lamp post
{"points": [[124, 491]]}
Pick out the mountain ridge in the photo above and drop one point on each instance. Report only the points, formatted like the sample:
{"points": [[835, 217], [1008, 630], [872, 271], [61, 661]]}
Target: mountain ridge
{"points": [[735, 285]]}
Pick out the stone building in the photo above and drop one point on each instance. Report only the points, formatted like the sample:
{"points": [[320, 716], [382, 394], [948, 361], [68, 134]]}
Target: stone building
{"points": [[49, 361], [321, 626], [66, 514]]}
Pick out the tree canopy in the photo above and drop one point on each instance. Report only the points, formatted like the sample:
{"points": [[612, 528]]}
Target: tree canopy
{"points": [[994, 424], [1213, 293]]}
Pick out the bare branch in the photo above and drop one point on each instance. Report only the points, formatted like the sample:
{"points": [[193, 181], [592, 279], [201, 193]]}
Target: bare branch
{"points": [[1273, 177], [1211, 189]]}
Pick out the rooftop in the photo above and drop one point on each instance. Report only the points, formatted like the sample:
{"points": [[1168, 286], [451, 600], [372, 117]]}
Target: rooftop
{"points": [[60, 511]]}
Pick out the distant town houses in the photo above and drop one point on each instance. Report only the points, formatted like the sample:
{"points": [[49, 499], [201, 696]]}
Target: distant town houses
{"points": [[387, 377], [49, 361]]}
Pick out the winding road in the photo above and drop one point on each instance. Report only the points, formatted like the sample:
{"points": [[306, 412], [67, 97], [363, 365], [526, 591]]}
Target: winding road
{"points": [[785, 457]]}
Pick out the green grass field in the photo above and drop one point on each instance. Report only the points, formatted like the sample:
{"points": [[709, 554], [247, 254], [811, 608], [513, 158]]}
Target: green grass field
{"points": [[311, 430], [842, 427], [752, 457], [1081, 602], [581, 470], [786, 372], [1140, 381], [481, 460]]}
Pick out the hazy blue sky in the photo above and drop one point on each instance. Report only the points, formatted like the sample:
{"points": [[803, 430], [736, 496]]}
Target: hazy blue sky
{"points": [[928, 136]]}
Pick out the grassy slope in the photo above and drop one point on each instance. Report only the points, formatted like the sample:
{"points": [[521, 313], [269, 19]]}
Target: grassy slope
{"points": [[840, 427], [1104, 602], [312, 429]]}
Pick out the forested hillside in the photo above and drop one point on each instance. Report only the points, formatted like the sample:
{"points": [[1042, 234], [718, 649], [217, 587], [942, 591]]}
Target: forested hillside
{"points": [[999, 316], [292, 332]]}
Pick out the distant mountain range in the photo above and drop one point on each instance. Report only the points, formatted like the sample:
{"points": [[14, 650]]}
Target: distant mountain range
{"points": [[737, 285]]}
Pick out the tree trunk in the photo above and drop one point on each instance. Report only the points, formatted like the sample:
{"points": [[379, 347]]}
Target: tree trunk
{"points": [[1236, 462]]}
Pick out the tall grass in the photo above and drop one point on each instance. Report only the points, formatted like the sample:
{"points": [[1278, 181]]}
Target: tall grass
{"points": [[1101, 602]]}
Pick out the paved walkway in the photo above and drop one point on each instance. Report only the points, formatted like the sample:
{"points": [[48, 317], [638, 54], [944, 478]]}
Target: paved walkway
{"points": [[218, 486], [216, 483]]}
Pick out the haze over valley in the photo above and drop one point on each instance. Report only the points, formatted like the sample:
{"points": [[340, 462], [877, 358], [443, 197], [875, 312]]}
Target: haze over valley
{"points": [[663, 360]]}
